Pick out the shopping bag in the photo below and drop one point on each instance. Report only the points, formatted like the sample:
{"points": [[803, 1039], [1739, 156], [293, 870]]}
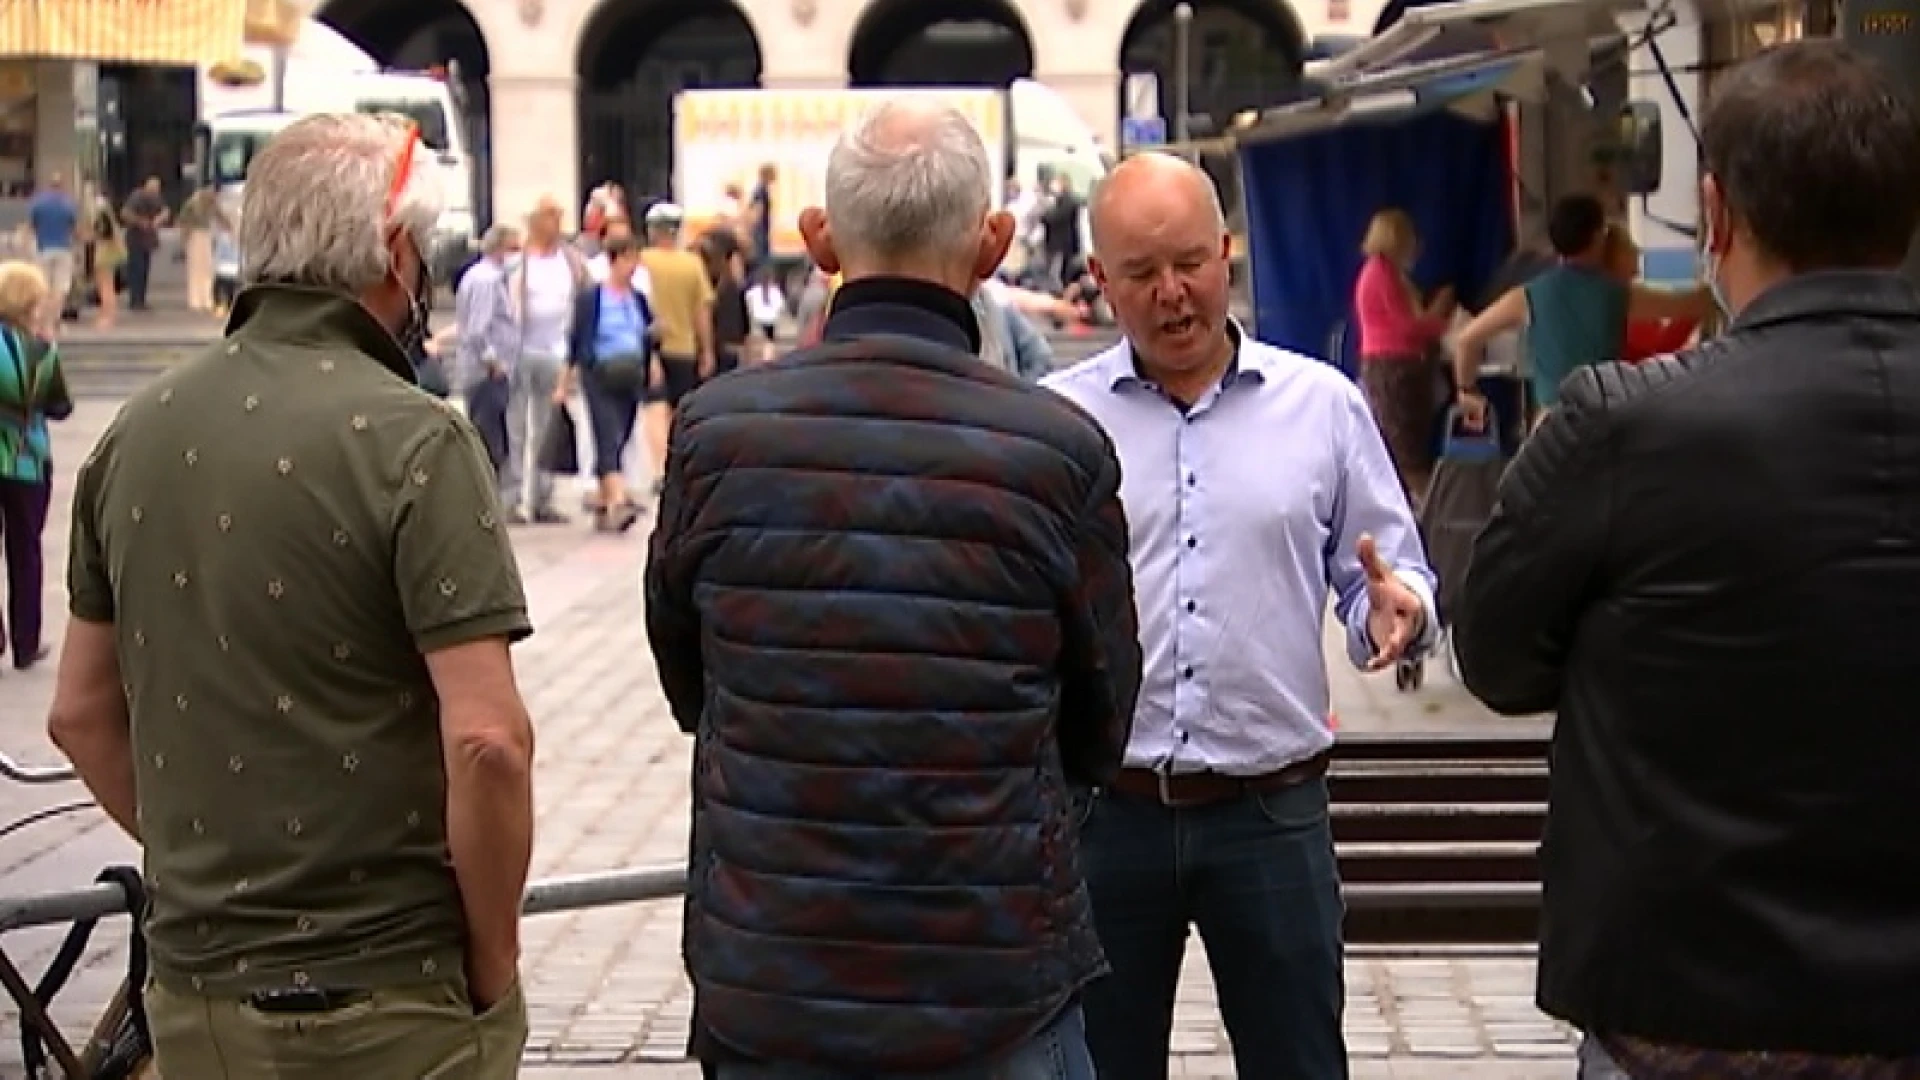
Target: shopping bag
{"points": [[561, 453]]}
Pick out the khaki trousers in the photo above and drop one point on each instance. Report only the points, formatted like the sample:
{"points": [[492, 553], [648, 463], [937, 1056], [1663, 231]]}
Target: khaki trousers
{"points": [[416, 1033], [199, 245]]}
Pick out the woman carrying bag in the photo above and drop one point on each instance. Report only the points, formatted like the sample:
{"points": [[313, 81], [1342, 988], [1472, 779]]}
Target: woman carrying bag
{"points": [[610, 355], [33, 390]]}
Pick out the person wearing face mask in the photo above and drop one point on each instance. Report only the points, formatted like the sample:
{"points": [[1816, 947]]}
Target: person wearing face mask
{"points": [[924, 559], [1705, 565], [1257, 484], [286, 674]]}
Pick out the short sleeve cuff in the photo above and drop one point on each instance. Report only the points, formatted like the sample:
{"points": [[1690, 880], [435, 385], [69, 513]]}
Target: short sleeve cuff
{"points": [[512, 624], [93, 609]]}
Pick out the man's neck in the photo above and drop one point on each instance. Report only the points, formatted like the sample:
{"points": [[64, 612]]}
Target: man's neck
{"points": [[542, 248]]}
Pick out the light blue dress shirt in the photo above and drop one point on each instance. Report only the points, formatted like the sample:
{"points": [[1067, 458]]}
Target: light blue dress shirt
{"points": [[1244, 513], [484, 314]]}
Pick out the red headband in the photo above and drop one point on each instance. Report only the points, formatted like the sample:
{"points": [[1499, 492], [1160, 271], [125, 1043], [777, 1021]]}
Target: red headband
{"points": [[403, 170]]}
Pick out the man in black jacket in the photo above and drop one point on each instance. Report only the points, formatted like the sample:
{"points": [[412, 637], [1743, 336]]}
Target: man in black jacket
{"points": [[889, 594], [1710, 565]]}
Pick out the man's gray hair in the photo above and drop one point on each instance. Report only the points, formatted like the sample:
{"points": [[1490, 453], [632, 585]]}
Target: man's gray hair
{"points": [[497, 238], [316, 206], [910, 179]]}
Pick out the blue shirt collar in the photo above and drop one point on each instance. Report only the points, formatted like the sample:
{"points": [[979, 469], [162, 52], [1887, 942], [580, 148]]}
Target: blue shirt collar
{"points": [[1247, 365]]}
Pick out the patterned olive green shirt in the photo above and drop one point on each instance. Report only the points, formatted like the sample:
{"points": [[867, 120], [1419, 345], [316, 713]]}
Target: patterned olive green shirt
{"points": [[278, 531]]}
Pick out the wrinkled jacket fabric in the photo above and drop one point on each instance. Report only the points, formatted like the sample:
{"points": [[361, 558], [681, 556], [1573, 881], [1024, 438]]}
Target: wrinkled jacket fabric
{"points": [[889, 593], [1710, 565]]}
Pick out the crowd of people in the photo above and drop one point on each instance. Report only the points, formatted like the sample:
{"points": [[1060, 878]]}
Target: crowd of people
{"points": [[999, 689]]}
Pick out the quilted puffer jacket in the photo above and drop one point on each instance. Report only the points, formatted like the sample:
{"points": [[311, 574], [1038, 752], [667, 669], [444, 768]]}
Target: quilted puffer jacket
{"points": [[889, 592]]}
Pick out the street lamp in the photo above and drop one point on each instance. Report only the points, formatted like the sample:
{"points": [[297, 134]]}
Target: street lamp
{"points": [[1182, 64]]}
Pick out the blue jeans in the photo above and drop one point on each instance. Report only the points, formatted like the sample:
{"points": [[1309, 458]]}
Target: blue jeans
{"points": [[1058, 1053], [1257, 876]]}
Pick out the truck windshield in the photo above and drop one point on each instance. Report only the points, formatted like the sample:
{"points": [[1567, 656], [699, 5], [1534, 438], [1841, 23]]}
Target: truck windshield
{"points": [[428, 116], [232, 152]]}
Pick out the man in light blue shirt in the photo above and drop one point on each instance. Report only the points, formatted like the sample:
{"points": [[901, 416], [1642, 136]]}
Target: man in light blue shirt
{"points": [[489, 339], [1256, 485]]}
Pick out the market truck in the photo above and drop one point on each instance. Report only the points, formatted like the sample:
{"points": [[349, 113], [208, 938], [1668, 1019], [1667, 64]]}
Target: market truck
{"points": [[723, 137], [327, 73]]}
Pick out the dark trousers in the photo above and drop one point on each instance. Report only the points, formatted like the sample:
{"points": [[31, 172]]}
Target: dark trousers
{"points": [[611, 411], [139, 272], [23, 516], [1257, 876], [487, 409]]}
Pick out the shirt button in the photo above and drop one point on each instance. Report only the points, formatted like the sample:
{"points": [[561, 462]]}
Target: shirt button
{"points": [[1192, 479], [1193, 541], [1186, 673], [1192, 607]]}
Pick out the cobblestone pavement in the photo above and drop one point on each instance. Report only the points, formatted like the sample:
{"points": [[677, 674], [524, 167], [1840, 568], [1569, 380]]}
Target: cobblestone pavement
{"points": [[607, 995]]}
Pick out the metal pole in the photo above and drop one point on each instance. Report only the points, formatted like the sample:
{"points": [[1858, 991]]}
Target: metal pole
{"points": [[279, 77], [1182, 69]]}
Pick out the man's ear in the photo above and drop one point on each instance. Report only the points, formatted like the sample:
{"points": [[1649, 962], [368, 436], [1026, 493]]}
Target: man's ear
{"points": [[996, 236], [818, 237], [1098, 271]]}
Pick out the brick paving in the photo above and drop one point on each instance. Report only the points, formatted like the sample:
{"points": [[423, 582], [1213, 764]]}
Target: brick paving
{"points": [[605, 990]]}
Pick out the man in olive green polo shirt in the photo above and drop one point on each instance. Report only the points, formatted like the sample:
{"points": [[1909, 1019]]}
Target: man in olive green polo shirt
{"points": [[290, 558]]}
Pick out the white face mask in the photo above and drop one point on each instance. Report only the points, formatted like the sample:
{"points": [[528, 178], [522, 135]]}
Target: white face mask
{"points": [[1710, 274]]}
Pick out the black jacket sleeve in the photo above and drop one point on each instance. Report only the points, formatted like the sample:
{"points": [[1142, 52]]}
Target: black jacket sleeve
{"points": [[1535, 565], [1100, 676], [586, 325], [673, 623]]}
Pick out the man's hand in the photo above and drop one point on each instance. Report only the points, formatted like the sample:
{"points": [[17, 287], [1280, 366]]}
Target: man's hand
{"points": [[489, 979], [706, 365], [656, 374], [1395, 615], [560, 391], [1472, 409]]}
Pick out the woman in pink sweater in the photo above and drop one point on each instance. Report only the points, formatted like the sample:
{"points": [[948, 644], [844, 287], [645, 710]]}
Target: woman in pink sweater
{"points": [[1398, 335]]}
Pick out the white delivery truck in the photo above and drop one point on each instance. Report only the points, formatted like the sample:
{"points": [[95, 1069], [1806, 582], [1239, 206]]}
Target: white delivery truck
{"points": [[326, 73], [723, 137]]}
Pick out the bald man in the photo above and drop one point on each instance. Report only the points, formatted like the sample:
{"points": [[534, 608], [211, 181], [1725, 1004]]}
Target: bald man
{"points": [[1255, 483]]}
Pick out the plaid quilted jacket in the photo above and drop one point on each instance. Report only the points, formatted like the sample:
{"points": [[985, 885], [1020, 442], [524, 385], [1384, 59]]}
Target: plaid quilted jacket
{"points": [[889, 593]]}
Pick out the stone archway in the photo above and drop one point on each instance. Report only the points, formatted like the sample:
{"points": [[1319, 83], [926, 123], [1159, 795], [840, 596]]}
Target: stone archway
{"points": [[635, 55], [1243, 54], [939, 43]]}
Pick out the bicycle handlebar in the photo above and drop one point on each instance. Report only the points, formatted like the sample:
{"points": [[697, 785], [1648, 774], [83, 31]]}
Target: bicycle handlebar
{"points": [[33, 774]]}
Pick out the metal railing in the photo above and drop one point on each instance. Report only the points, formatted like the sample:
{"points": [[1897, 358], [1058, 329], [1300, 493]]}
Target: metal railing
{"points": [[11, 769]]}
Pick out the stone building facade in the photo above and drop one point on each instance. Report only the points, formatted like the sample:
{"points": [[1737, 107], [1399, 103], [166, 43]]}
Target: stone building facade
{"points": [[534, 53]]}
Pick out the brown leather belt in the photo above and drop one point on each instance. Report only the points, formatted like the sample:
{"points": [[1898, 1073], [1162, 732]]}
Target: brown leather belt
{"points": [[1205, 788]]}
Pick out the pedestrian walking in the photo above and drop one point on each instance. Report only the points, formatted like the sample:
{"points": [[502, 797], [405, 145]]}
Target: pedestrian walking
{"points": [[33, 390], [488, 341], [286, 673], [144, 215], [200, 220], [1703, 564], [1219, 818], [682, 298], [889, 592], [550, 274], [55, 219], [610, 356]]}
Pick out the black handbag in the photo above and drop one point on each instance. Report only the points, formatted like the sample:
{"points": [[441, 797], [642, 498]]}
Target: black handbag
{"points": [[561, 452], [624, 374]]}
